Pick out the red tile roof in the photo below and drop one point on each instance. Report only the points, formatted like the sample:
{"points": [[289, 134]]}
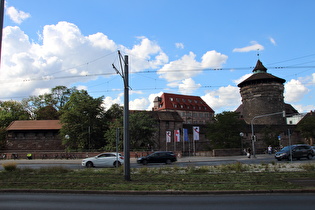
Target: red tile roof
{"points": [[183, 102], [35, 125]]}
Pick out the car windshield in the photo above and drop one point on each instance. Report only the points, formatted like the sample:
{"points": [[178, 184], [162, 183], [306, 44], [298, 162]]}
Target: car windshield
{"points": [[285, 149]]}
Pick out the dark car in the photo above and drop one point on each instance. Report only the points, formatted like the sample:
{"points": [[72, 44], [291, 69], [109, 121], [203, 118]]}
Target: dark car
{"points": [[298, 151], [158, 157]]}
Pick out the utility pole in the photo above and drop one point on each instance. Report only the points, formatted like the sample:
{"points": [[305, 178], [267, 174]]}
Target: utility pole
{"points": [[125, 76], [1, 25]]}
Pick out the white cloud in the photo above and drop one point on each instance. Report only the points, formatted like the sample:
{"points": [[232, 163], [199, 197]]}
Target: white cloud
{"points": [[188, 86], [64, 53], [146, 55], [213, 59], [109, 101], [188, 67], [241, 79], [294, 91], [139, 104], [272, 41], [303, 109], [253, 47], [224, 99], [17, 16], [179, 45]]}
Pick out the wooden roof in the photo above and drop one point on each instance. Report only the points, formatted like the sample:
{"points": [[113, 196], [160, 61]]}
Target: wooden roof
{"points": [[34, 125]]}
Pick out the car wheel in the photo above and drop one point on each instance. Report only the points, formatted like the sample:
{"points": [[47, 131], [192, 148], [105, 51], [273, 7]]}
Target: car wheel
{"points": [[145, 162], [117, 164], [168, 161], [309, 156], [89, 164]]}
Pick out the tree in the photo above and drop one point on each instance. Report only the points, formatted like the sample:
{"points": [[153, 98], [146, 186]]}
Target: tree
{"points": [[142, 129], [270, 136], [224, 132], [82, 122], [307, 128], [42, 106], [47, 113], [9, 112]]}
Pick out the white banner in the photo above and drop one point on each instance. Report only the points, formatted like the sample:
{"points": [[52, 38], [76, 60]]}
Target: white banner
{"points": [[168, 136], [176, 136], [196, 133]]}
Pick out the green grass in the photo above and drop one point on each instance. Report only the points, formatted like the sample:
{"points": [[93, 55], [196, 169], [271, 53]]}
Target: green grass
{"points": [[226, 177]]}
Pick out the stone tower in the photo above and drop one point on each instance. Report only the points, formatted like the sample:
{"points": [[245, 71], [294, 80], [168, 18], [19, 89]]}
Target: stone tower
{"points": [[262, 93]]}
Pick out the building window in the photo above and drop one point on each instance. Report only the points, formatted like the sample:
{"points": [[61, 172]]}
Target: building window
{"points": [[171, 99]]}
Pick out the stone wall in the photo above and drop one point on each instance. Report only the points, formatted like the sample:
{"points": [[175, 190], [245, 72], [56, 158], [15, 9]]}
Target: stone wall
{"points": [[261, 99]]}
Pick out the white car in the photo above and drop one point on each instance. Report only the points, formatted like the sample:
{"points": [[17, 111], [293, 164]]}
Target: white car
{"points": [[104, 160]]}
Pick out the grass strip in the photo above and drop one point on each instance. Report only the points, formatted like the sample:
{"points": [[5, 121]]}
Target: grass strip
{"points": [[148, 179]]}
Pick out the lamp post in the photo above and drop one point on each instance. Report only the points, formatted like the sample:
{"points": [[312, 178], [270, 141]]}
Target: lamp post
{"points": [[241, 135], [252, 127]]}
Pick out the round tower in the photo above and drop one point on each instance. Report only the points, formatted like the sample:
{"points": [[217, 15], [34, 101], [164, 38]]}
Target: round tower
{"points": [[262, 93]]}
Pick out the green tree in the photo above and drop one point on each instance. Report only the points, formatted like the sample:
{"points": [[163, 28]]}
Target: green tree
{"points": [[9, 112], [47, 113], [224, 131], [270, 136], [48, 105], [141, 131], [82, 122], [307, 128]]}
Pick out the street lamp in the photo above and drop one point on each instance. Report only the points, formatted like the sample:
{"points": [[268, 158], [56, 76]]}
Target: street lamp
{"points": [[241, 135]]}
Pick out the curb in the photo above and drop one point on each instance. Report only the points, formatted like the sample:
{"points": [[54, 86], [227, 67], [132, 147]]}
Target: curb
{"points": [[131, 192]]}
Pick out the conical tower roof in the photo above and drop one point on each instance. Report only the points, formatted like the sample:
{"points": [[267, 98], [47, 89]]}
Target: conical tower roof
{"points": [[259, 68], [260, 75]]}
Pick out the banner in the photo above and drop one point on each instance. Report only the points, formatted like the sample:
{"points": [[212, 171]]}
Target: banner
{"points": [[176, 136], [168, 136], [185, 134], [196, 133]]}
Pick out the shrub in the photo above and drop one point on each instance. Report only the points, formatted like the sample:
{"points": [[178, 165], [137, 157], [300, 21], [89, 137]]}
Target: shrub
{"points": [[308, 167], [9, 166]]}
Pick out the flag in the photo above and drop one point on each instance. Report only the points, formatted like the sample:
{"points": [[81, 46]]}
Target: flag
{"points": [[196, 133], [176, 136], [185, 134], [168, 136]]}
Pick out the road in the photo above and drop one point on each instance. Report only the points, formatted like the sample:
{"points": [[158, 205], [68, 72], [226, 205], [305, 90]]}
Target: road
{"points": [[182, 162], [156, 202]]}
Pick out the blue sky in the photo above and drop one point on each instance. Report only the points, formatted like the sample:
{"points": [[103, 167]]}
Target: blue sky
{"points": [[203, 48]]}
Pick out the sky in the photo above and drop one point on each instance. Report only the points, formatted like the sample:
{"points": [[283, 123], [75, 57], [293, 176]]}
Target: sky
{"points": [[203, 48]]}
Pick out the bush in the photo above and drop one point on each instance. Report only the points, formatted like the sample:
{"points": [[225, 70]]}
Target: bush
{"points": [[308, 167], [9, 166]]}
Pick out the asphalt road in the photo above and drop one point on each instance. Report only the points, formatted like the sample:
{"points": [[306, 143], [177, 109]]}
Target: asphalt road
{"points": [[182, 162], [156, 202]]}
